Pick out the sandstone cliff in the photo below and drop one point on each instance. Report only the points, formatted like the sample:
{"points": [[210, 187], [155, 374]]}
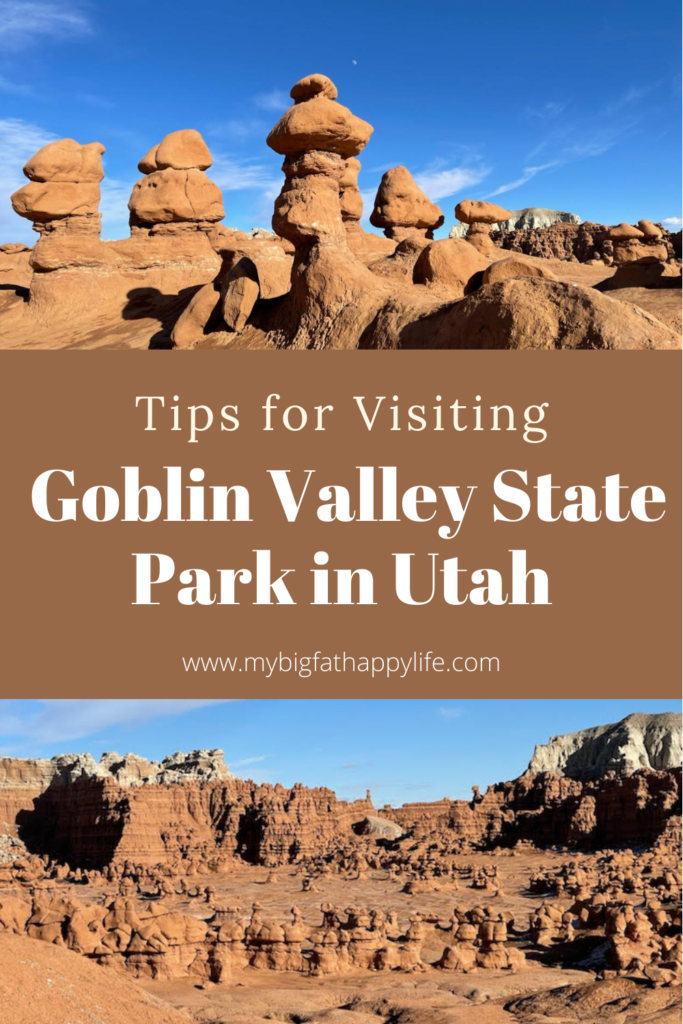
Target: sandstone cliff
{"points": [[551, 810], [638, 741], [186, 807]]}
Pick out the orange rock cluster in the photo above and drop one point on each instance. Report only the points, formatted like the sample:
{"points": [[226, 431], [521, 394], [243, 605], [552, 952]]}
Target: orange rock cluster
{"points": [[320, 281]]}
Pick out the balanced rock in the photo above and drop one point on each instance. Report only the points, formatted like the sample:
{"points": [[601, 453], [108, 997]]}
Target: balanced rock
{"points": [[317, 136], [631, 243], [475, 211], [318, 122], [649, 229], [66, 160], [63, 193], [402, 208], [175, 190], [480, 216]]}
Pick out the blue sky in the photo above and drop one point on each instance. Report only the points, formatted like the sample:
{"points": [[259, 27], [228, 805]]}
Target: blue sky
{"points": [[402, 750], [569, 106]]}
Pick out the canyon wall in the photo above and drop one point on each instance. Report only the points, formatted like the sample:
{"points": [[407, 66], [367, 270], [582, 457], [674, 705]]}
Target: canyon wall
{"points": [[90, 814], [551, 810], [189, 809]]}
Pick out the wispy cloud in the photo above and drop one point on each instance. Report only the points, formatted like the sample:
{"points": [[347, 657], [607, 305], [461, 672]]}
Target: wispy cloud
{"points": [[528, 174], [582, 137], [355, 765], [248, 760], [547, 111], [632, 95], [449, 713], [23, 22], [61, 721], [233, 175], [438, 181], [239, 129], [672, 223], [19, 140], [275, 100]]}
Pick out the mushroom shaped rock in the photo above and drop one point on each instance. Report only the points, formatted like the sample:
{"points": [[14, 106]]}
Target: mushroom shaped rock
{"points": [[630, 244], [173, 195], [67, 160], [401, 207], [317, 122], [182, 150], [622, 232], [452, 264], [316, 136], [649, 229], [480, 216], [517, 266], [475, 211]]}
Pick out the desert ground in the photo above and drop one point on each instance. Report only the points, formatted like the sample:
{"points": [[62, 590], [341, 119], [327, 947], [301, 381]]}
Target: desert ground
{"points": [[530, 279], [161, 892]]}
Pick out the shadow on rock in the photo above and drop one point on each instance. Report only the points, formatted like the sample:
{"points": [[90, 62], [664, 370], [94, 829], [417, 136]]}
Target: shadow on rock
{"points": [[151, 304]]}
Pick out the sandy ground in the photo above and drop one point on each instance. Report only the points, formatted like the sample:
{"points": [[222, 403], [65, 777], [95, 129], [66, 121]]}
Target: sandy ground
{"points": [[136, 331]]}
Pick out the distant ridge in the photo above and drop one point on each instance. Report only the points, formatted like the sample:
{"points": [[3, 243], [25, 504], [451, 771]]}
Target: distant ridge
{"points": [[637, 741]]}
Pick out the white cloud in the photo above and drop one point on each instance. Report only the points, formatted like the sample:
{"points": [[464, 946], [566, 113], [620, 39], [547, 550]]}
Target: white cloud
{"points": [[23, 23], [248, 760], [672, 223], [275, 100], [234, 175], [114, 207], [529, 173], [19, 140], [438, 182], [61, 721]]}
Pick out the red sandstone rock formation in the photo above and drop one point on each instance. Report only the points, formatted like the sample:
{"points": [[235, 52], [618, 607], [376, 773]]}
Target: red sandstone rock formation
{"points": [[188, 808], [322, 281], [553, 810]]}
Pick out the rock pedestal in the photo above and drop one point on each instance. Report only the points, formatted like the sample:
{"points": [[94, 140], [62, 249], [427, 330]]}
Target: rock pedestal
{"points": [[63, 193], [480, 216], [175, 194], [402, 209], [317, 137]]}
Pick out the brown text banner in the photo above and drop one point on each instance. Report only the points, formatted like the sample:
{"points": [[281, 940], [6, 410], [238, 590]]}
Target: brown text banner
{"points": [[413, 508]]}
